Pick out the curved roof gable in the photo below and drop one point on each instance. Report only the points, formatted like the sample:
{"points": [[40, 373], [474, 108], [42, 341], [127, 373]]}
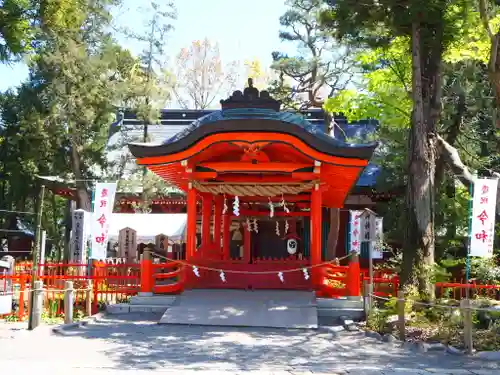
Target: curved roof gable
{"points": [[244, 120]]}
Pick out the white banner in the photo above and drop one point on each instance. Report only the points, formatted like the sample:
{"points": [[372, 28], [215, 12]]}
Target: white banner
{"points": [[127, 243], [104, 200], [378, 237], [366, 227], [79, 236], [355, 231], [483, 217]]}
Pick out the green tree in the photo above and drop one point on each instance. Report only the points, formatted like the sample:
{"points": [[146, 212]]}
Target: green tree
{"points": [[24, 22], [320, 69], [465, 126], [430, 27]]}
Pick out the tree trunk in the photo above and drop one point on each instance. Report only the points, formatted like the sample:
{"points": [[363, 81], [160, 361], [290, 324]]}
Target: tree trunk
{"points": [[418, 255], [82, 195], [333, 234]]}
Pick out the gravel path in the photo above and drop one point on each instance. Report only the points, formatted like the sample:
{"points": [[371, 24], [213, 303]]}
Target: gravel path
{"points": [[136, 344]]}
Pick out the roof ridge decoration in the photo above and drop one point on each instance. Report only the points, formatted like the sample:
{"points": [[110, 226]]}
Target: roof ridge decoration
{"points": [[251, 98]]}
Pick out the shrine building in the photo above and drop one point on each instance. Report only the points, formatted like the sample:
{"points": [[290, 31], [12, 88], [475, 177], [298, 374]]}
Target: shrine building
{"points": [[262, 180]]}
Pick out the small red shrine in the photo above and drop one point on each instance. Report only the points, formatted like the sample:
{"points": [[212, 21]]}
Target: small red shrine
{"points": [[263, 177]]}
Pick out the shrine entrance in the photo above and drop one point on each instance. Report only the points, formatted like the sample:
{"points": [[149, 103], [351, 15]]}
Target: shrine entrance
{"points": [[258, 250]]}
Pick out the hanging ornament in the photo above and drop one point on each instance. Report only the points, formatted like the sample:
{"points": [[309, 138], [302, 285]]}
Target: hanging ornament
{"points": [[271, 208], [286, 226], [224, 211], [236, 206], [196, 271], [223, 276], [255, 226], [249, 225], [280, 276], [306, 274], [277, 228], [283, 204]]}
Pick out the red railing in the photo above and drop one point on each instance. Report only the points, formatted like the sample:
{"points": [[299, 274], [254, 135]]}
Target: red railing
{"points": [[114, 282], [110, 282], [459, 290]]}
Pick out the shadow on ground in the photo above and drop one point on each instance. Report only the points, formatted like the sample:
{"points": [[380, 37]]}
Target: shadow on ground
{"points": [[138, 342]]}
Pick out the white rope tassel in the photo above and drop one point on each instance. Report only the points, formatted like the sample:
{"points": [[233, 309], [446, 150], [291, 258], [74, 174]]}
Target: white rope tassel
{"points": [[306, 274], [283, 203], [236, 206], [286, 226], [196, 271], [249, 225], [278, 228], [271, 208], [280, 276], [224, 211], [222, 276], [255, 226]]}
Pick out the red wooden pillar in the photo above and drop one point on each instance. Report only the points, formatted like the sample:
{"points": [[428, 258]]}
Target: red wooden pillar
{"points": [[316, 212], [191, 223], [206, 216], [226, 226], [219, 203], [353, 276]]}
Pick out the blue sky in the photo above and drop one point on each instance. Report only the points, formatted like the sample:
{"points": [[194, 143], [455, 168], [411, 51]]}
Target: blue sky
{"points": [[245, 30]]}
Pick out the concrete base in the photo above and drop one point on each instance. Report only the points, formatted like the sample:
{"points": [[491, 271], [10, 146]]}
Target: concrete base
{"points": [[143, 303], [260, 308], [157, 300], [336, 308]]}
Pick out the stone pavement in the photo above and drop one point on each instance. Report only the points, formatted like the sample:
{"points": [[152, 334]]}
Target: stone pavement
{"points": [[136, 344], [241, 308]]}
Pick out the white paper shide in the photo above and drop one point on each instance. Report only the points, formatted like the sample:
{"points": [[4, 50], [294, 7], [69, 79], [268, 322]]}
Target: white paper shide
{"points": [[483, 217], [103, 208]]}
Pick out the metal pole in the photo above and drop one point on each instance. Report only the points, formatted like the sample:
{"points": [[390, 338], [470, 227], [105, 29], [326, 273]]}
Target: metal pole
{"points": [[370, 271], [34, 272], [42, 251], [467, 259]]}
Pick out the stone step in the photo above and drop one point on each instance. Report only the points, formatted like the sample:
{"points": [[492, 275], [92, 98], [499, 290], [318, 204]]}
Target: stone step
{"points": [[125, 308], [153, 300], [340, 303]]}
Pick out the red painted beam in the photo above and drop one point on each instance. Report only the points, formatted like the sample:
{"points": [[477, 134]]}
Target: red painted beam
{"points": [[244, 212], [288, 198], [250, 167]]}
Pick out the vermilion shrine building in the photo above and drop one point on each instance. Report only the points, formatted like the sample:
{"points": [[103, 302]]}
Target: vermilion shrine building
{"points": [[172, 121], [262, 179]]}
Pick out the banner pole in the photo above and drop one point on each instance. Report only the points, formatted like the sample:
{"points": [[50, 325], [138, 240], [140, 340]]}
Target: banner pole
{"points": [[89, 246], [467, 258]]}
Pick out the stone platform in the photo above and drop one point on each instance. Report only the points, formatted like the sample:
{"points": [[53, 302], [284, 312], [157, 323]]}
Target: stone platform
{"points": [[240, 308]]}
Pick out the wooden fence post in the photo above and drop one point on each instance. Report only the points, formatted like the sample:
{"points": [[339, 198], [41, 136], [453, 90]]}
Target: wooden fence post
{"points": [[22, 288], [68, 302], [95, 286], [367, 298], [465, 306], [88, 299], [37, 305], [401, 315]]}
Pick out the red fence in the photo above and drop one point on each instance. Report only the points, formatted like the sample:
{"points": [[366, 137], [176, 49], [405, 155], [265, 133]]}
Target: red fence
{"points": [[115, 282], [110, 282]]}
